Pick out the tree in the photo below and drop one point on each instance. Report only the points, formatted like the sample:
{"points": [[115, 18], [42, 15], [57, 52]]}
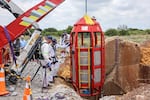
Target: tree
{"points": [[69, 28], [123, 32], [50, 30], [147, 31], [111, 32]]}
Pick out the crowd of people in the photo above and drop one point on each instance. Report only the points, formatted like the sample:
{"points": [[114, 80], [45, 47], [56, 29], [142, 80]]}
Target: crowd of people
{"points": [[50, 63], [19, 44], [48, 49]]}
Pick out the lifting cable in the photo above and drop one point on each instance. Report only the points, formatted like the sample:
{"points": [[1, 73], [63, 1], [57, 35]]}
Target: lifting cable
{"points": [[10, 44]]}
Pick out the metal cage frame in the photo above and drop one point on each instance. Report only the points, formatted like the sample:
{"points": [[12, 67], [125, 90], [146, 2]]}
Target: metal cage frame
{"points": [[89, 87]]}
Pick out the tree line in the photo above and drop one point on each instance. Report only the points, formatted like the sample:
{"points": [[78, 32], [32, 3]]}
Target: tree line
{"points": [[55, 32], [121, 30]]}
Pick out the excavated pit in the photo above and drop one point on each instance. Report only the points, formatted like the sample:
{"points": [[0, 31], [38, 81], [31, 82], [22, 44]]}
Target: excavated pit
{"points": [[127, 67]]}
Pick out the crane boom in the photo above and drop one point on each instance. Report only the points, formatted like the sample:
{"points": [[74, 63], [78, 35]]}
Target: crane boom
{"points": [[26, 20]]}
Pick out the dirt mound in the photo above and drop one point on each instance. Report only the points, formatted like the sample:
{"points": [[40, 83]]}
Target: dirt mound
{"points": [[145, 63], [145, 51], [64, 70], [145, 56]]}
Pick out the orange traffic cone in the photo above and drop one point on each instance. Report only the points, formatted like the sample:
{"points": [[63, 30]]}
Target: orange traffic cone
{"points": [[3, 90], [27, 91]]}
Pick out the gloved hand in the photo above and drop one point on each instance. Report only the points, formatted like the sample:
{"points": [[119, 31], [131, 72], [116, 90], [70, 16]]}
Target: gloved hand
{"points": [[67, 44], [48, 65]]}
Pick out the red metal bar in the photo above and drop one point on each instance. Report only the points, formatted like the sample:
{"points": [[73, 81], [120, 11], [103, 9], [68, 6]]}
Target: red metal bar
{"points": [[103, 58], [95, 87], [76, 59]]}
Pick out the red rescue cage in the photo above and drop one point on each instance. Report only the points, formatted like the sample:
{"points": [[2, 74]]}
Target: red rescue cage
{"points": [[87, 56]]}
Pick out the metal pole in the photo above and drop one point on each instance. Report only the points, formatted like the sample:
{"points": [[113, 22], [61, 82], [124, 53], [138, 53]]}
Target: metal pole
{"points": [[85, 6]]}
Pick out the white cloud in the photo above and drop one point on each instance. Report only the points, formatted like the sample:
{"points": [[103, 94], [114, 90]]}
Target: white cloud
{"points": [[110, 13]]}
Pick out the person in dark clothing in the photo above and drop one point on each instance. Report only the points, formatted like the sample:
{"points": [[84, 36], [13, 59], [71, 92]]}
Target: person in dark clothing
{"points": [[16, 46]]}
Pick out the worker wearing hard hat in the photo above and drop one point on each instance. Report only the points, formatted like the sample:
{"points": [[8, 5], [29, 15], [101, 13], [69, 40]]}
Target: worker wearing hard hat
{"points": [[48, 53]]}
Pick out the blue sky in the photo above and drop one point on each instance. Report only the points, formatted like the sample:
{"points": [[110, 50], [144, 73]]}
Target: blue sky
{"points": [[109, 13]]}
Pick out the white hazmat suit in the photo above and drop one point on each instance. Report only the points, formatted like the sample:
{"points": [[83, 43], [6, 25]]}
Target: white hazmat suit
{"points": [[65, 43], [49, 54]]}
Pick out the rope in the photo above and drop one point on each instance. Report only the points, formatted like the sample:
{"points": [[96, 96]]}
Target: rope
{"points": [[10, 44]]}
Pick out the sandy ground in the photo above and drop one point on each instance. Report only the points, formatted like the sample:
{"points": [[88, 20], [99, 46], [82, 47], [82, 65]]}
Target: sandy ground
{"points": [[53, 93], [140, 93], [60, 91]]}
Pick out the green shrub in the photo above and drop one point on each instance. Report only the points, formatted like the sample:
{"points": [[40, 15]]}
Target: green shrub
{"points": [[147, 31], [111, 32], [123, 32]]}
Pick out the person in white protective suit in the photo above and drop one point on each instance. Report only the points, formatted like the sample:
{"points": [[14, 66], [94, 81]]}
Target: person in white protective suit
{"points": [[65, 43], [49, 61], [55, 46], [55, 63]]}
